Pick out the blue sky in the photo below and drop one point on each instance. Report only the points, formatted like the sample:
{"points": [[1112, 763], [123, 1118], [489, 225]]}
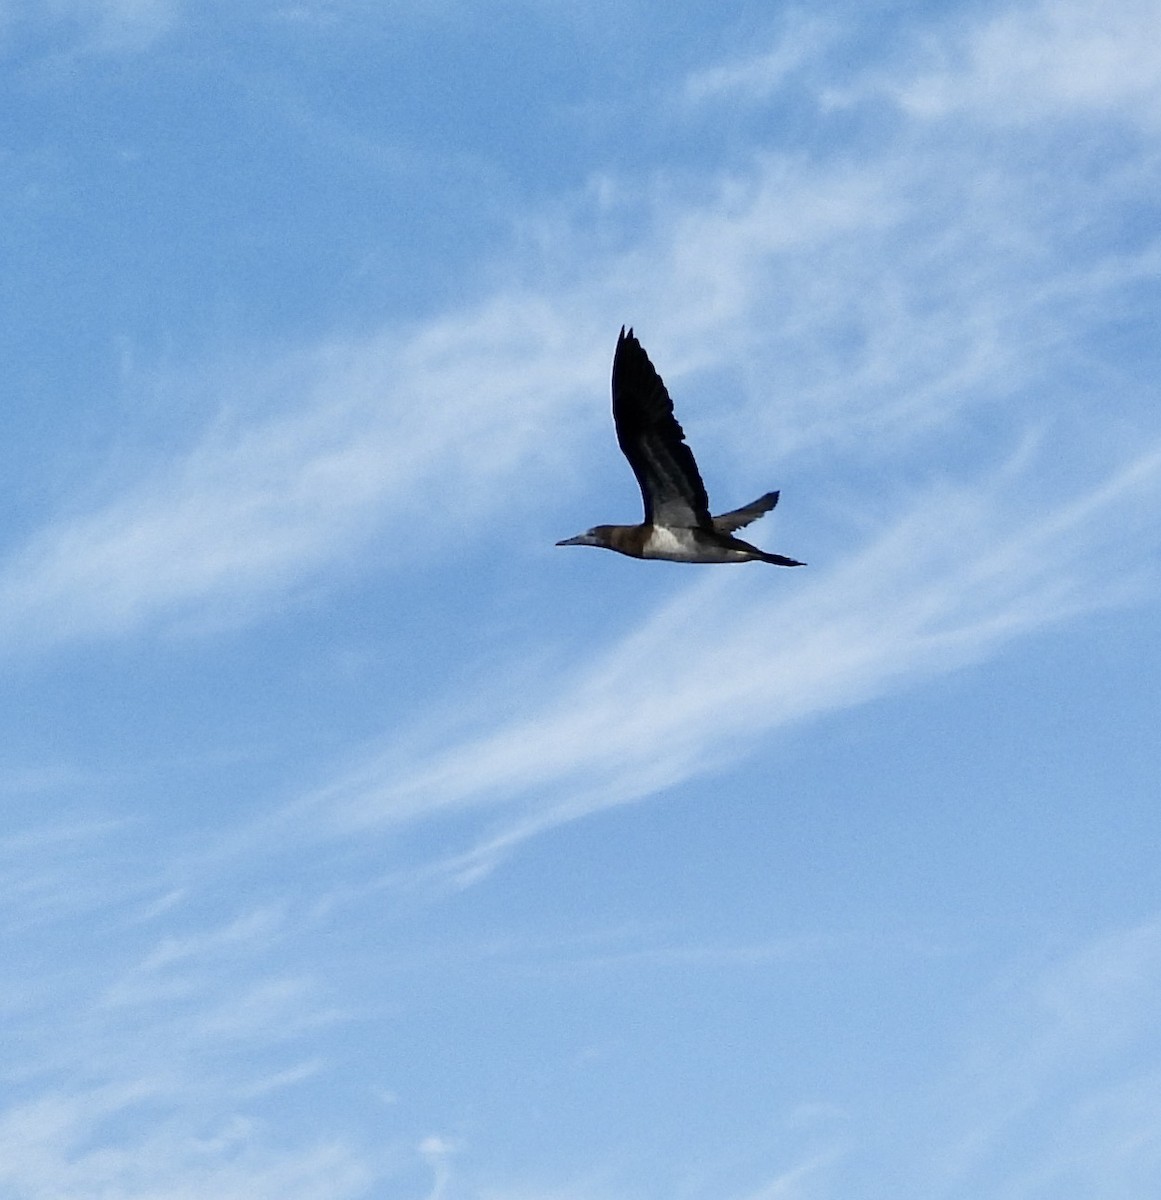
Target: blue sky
{"points": [[360, 843]]}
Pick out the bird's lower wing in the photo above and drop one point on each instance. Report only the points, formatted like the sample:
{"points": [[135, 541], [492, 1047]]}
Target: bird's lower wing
{"points": [[741, 517]]}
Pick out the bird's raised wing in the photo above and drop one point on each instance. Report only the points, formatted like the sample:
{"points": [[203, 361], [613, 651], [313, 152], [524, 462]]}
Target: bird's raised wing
{"points": [[653, 442]]}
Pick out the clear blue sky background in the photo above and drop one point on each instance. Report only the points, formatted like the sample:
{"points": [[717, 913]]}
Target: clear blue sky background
{"points": [[360, 843]]}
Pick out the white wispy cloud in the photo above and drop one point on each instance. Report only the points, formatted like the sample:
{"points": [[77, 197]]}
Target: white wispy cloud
{"points": [[800, 1182], [1028, 62], [50, 872], [732, 659], [404, 436], [755, 77], [1050, 1088], [100, 26], [921, 318], [53, 1147], [856, 305], [145, 1070], [416, 437], [176, 966], [1064, 1064]]}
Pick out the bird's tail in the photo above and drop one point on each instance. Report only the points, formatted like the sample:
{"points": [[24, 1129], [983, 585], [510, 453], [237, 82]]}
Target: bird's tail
{"points": [[779, 560], [729, 542]]}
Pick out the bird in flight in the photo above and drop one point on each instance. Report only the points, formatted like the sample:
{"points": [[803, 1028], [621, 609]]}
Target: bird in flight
{"points": [[677, 524]]}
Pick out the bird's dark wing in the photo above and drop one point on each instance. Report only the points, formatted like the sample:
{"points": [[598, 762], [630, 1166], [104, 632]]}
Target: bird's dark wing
{"points": [[652, 441], [740, 517]]}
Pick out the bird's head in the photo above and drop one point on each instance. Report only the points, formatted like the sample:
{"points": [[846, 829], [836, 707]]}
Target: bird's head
{"points": [[597, 536]]}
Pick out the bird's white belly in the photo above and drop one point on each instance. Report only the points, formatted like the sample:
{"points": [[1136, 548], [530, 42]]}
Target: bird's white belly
{"points": [[679, 545], [668, 543]]}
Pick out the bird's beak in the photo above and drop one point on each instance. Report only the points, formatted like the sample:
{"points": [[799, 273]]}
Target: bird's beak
{"points": [[581, 539]]}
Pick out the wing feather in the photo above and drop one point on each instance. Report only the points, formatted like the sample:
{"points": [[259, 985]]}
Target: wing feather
{"points": [[740, 517], [653, 442]]}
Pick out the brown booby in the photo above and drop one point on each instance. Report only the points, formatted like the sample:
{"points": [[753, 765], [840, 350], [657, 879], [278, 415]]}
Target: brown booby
{"points": [[677, 524]]}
